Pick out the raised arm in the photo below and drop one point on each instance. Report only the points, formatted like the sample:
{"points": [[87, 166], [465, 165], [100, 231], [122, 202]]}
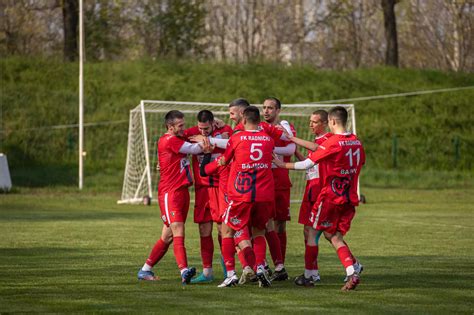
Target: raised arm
{"points": [[305, 143]]}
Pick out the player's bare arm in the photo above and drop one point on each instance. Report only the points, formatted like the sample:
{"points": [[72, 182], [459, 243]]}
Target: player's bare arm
{"points": [[305, 143]]}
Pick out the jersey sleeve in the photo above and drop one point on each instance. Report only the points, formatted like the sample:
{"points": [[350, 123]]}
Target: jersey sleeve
{"points": [[272, 131], [193, 131], [323, 152], [229, 151], [175, 144], [227, 129], [211, 168]]}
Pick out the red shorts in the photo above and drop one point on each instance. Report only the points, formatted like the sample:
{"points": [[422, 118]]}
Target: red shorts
{"points": [[174, 205], [311, 194], [242, 235], [282, 205], [332, 218], [240, 213], [214, 204], [202, 211]]}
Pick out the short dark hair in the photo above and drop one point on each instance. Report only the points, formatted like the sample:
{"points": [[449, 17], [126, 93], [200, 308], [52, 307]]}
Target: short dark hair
{"points": [[339, 113], [241, 102], [275, 101], [252, 114], [322, 113], [205, 116], [171, 116]]}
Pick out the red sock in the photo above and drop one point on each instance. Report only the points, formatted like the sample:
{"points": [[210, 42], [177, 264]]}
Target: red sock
{"points": [[345, 256], [180, 252], [249, 255], [207, 251], [282, 237], [158, 251], [259, 247], [228, 252], [242, 259], [311, 257], [274, 246], [352, 256]]}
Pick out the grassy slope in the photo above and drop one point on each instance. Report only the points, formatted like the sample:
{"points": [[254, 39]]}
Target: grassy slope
{"points": [[65, 252], [39, 93]]}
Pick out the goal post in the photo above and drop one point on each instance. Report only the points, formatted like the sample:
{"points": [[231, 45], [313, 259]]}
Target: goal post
{"points": [[146, 126]]}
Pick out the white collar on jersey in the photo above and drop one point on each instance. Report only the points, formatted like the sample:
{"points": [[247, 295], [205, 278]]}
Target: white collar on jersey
{"points": [[319, 137]]}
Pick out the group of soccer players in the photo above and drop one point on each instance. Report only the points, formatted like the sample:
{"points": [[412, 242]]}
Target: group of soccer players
{"points": [[242, 185]]}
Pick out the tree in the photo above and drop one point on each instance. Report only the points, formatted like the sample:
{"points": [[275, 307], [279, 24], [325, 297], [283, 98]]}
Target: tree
{"points": [[390, 23], [70, 25]]}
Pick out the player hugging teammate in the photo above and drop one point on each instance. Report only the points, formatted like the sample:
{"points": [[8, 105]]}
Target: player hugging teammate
{"points": [[237, 183]]}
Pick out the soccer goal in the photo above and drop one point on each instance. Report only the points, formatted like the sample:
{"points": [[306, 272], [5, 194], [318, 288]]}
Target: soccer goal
{"points": [[146, 126]]}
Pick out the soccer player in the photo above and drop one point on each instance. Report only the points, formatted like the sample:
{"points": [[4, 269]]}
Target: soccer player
{"points": [[340, 159], [271, 114], [173, 196], [206, 205], [251, 196], [318, 124]]}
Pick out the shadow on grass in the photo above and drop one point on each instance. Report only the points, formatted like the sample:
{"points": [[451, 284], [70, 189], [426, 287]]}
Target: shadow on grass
{"points": [[19, 213], [44, 176]]}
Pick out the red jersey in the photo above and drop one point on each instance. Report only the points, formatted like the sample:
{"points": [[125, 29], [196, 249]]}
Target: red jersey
{"points": [[212, 180], [340, 160], [174, 166], [281, 176], [312, 174], [271, 130], [250, 177]]}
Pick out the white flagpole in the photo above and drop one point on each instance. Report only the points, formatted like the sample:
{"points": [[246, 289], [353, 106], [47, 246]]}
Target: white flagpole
{"points": [[81, 97]]}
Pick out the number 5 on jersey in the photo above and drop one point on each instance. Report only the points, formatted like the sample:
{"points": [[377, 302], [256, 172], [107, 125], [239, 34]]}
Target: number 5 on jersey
{"points": [[254, 149]]}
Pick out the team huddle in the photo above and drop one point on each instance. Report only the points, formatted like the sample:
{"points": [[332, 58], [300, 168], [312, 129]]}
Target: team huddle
{"points": [[242, 186]]}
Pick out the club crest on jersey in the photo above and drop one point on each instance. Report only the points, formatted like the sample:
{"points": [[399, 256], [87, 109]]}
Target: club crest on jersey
{"points": [[340, 185], [235, 221], [245, 181], [238, 233], [326, 224]]}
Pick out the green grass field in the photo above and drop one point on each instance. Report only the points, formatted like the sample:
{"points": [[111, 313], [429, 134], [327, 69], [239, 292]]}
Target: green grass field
{"points": [[68, 251]]}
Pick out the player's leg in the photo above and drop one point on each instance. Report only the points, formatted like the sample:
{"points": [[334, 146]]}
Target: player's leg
{"points": [[228, 253], [159, 250], [311, 270], [243, 238], [261, 214], [274, 245], [282, 202], [336, 237], [207, 253], [235, 218], [203, 217], [177, 206]]}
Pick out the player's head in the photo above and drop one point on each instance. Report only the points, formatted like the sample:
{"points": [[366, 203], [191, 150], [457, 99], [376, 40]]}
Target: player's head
{"points": [[174, 121], [337, 118], [251, 116], [318, 121], [271, 109], [205, 120], [236, 108]]}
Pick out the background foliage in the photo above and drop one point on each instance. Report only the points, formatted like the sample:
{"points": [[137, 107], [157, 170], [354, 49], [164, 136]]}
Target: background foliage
{"points": [[40, 93]]}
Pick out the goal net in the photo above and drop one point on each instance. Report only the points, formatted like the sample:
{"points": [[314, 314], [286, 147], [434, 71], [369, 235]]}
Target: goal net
{"points": [[146, 126]]}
